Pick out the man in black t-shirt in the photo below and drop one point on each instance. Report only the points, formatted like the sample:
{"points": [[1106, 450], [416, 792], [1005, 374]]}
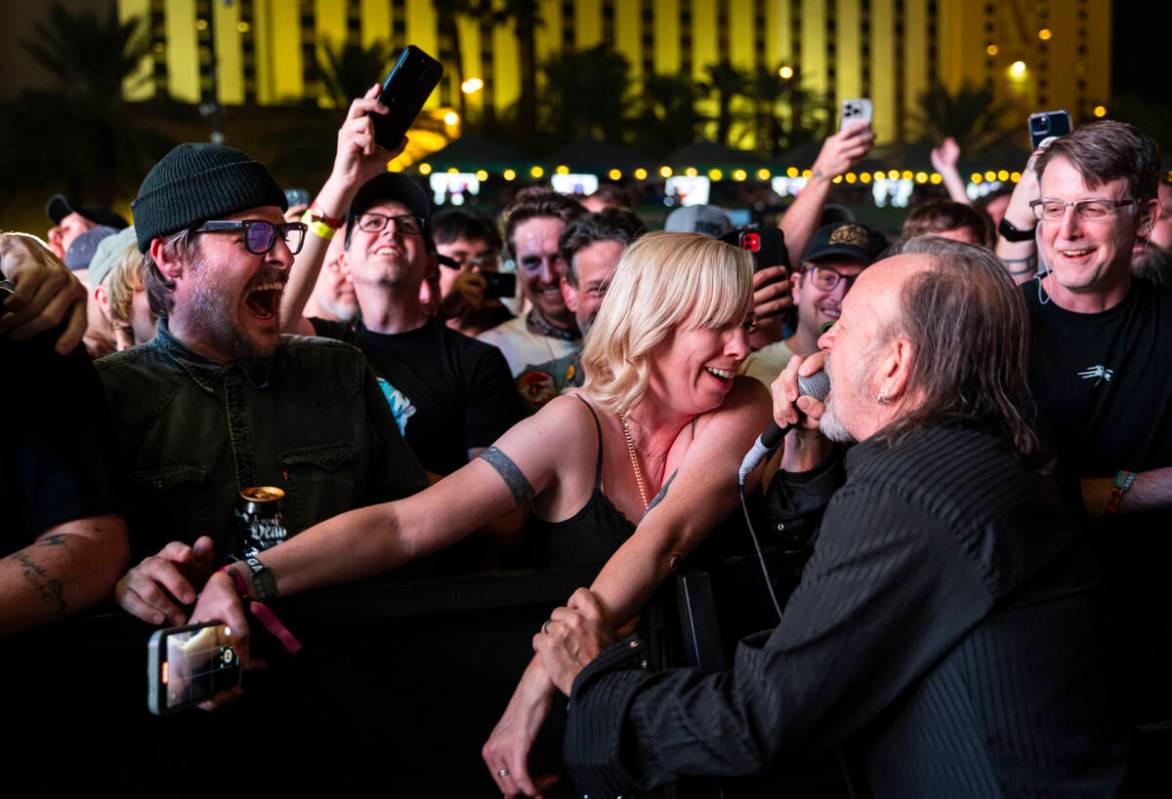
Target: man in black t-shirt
{"points": [[451, 395], [1101, 371]]}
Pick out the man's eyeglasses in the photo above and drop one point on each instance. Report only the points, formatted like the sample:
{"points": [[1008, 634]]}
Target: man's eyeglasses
{"points": [[407, 224], [1092, 210], [260, 236], [826, 279]]}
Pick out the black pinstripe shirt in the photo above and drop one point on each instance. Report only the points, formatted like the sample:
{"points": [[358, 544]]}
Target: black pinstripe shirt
{"points": [[944, 627]]}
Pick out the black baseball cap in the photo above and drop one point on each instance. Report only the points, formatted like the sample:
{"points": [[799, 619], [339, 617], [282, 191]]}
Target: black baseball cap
{"points": [[399, 188], [60, 207], [845, 240]]}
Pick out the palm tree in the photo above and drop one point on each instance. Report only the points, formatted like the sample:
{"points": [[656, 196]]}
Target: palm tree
{"points": [[666, 116], [526, 16], [786, 113], [971, 116], [585, 94], [726, 82], [346, 70], [80, 134], [448, 13]]}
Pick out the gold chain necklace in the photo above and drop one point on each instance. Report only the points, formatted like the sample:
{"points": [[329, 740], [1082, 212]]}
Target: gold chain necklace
{"points": [[634, 462]]}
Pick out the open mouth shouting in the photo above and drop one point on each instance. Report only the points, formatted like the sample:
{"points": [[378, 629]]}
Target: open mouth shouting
{"points": [[264, 299]]}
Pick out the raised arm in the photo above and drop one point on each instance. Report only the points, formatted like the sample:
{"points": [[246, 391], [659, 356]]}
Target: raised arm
{"points": [[839, 153], [1021, 257], [358, 159], [944, 160]]}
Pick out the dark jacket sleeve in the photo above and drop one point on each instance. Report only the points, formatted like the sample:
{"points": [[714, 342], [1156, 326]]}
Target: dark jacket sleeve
{"points": [[887, 592]]}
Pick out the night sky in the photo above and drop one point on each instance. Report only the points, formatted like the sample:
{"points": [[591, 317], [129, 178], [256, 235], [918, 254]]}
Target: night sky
{"points": [[1139, 53]]}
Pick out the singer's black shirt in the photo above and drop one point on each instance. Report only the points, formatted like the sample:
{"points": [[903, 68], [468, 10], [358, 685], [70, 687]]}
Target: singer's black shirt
{"points": [[943, 629]]}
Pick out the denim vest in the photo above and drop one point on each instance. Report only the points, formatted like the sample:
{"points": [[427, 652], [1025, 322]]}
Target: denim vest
{"points": [[192, 433]]}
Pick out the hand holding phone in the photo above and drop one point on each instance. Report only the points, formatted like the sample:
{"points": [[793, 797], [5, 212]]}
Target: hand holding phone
{"points": [[190, 664], [411, 81], [855, 111], [1048, 125]]}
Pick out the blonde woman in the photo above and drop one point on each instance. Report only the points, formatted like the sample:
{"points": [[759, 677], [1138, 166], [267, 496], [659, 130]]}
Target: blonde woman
{"points": [[630, 472]]}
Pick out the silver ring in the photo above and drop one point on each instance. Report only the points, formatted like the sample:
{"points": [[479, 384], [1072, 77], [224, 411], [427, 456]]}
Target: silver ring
{"points": [[504, 772], [545, 626]]}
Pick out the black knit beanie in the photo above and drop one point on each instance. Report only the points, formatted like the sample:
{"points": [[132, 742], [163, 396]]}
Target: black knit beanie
{"points": [[197, 182]]}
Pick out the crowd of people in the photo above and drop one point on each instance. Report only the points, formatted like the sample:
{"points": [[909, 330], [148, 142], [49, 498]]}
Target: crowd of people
{"points": [[984, 493]]}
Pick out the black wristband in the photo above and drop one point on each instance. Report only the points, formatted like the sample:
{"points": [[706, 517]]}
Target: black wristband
{"points": [[1011, 233]]}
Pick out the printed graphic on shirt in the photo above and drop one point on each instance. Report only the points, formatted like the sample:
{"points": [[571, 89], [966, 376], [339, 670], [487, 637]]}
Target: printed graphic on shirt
{"points": [[400, 404], [1098, 373]]}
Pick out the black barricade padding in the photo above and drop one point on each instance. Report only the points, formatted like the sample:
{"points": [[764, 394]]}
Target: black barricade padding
{"points": [[400, 683]]}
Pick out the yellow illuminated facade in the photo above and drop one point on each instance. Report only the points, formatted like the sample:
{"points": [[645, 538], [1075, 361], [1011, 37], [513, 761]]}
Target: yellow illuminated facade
{"points": [[888, 50]]}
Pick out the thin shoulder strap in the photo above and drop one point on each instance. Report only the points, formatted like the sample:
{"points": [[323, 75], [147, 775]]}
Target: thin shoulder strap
{"points": [[598, 429]]}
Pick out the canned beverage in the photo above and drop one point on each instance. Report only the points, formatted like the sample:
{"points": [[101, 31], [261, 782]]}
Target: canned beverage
{"points": [[260, 512]]}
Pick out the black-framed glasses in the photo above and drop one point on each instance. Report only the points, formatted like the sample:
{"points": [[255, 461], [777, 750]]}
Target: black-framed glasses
{"points": [[1090, 210], [407, 224], [260, 235], [826, 279]]}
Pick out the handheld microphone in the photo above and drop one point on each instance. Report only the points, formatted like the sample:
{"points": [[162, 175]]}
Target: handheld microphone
{"points": [[817, 386]]}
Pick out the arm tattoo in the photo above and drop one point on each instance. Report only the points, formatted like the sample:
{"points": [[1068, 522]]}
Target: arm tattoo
{"points": [[53, 541], [663, 491], [517, 482], [51, 589]]}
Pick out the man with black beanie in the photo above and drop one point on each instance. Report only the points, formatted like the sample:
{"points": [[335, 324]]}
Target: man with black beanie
{"points": [[219, 401]]}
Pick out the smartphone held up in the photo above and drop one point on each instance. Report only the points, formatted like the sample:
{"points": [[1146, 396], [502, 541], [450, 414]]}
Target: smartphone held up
{"points": [[406, 89]]}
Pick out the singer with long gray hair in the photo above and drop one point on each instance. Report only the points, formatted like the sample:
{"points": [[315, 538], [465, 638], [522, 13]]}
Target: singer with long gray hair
{"points": [[942, 631], [628, 473]]}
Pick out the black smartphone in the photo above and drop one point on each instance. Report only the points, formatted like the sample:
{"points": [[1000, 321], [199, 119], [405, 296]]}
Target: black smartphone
{"points": [[767, 246], [499, 284], [1047, 124], [412, 80], [187, 665]]}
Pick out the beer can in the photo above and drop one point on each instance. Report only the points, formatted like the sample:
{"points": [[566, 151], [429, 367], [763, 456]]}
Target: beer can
{"points": [[260, 513]]}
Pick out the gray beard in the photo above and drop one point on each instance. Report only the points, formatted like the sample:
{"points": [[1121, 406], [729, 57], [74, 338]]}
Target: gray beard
{"points": [[832, 427]]}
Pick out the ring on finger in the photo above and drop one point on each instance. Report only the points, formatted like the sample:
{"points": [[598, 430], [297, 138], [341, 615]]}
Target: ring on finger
{"points": [[502, 772], [545, 626]]}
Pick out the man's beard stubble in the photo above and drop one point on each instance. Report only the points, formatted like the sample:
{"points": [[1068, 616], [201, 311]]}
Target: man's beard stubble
{"points": [[217, 319]]}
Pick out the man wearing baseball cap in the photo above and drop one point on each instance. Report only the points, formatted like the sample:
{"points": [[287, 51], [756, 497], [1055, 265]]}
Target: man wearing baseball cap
{"points": [[834, 258], [70, 221], [452, 396], [219, 401]]}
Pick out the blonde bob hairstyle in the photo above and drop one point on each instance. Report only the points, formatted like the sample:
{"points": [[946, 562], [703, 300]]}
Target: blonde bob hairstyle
{"points": [[663, 282]]}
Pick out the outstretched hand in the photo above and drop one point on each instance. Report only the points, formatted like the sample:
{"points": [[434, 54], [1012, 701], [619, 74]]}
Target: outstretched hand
{"points": [[843, 150]]}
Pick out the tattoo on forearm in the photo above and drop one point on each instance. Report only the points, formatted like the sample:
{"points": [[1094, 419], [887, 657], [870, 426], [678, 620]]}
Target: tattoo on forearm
{"points": [[517, 482], [51, 589], [663, 491], [53, 541]]}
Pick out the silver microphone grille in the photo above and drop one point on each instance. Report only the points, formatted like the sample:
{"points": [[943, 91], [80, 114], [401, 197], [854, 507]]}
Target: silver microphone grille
{"points": [[816, 385]]}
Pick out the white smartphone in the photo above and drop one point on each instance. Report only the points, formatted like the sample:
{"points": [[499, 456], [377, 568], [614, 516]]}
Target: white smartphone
{"points": [[855, 110]]}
